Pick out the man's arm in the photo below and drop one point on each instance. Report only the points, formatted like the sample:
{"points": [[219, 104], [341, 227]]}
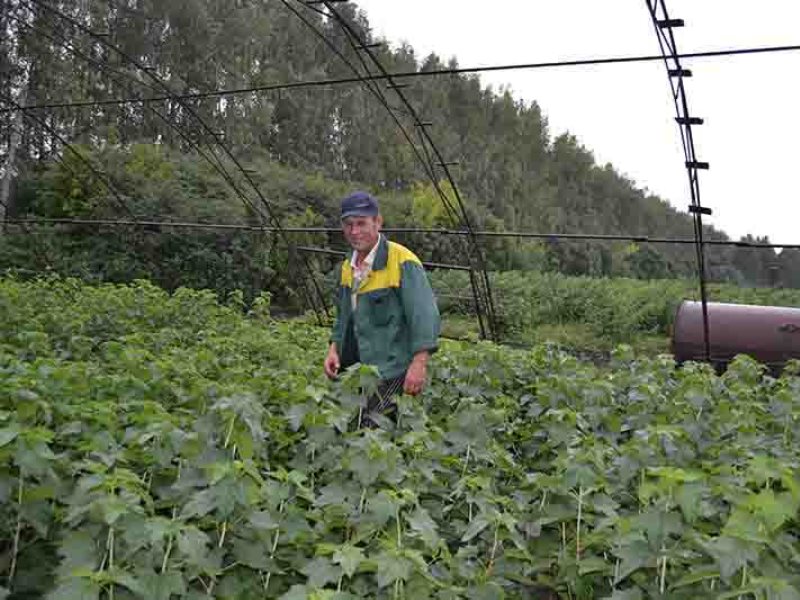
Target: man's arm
{"points": [[417, 373], [332, 360], [422, 316]]}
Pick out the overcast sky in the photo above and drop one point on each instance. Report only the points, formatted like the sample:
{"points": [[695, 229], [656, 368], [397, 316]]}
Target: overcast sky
{"points": [[624, 113]]}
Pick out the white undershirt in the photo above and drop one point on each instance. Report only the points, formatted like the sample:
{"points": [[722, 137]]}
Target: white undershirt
{"points": [[360, 273]]}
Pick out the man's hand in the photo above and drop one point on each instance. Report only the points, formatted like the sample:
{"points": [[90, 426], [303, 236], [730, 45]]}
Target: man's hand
{"points": [[416, 374], [332, 362]]}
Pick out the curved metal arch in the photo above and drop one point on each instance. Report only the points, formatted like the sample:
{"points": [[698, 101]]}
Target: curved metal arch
{"points": [[316, 299], [211, 158], [215, 163], [482, 284], [486, 314], [105, 179], [25, 224], [373, 88], [664, 27]]}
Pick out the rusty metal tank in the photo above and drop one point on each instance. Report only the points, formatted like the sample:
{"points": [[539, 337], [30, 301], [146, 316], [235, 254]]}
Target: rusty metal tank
{"points": [[770, 334]]}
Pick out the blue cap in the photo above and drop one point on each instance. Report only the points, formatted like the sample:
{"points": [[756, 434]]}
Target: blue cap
{"points": [[359, 204]]}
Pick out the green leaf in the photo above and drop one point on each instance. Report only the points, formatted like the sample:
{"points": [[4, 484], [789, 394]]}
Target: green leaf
{"points": [[78, 551], [630, 594], [75, 588], [382, 508], [250, 554], [110, 508], [676, 475], [331, 494], [486, 591], [477, 525], [296, 414], [743, 524], [730, 554], [158, 586], [349, 558], [391, 568], [367, 470], [773, 509], [659, 525], [193, 545], [8, 434], [634, 556], [201, 503], [690, 499], [321, 571], [579, 476], [696, 575], [593, 564], [35, 459], [295, 525], [262, 521], [752, 588], [296, 592], [422, 524], [780, 589], [245, 445]]}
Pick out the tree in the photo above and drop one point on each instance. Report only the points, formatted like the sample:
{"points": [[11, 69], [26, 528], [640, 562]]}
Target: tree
{"points": [[789, 265]]}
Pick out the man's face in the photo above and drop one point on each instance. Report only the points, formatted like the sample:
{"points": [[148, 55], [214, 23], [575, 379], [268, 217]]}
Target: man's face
{"points": [[362, 232]]}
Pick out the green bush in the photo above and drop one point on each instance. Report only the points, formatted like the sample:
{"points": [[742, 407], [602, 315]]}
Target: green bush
{"points": [[613, 309], [158, 446]]}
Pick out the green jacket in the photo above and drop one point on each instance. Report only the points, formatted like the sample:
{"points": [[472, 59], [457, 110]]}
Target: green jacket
{"points": [[396, 314]]}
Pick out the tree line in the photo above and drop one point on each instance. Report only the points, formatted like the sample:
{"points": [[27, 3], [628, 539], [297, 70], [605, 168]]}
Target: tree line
{"points": [[306, 145]]}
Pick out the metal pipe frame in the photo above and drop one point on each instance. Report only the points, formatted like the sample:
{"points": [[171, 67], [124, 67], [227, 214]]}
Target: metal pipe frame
{"points": [[676, 73]]}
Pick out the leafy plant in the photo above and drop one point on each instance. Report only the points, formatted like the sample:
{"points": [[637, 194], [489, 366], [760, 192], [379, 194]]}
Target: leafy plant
{"points": [[157, 445]]}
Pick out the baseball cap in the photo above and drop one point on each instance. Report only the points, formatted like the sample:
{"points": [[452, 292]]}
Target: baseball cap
{"points": [[359, 204]]}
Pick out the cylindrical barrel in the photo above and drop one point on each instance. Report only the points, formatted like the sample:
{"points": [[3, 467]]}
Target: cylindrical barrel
{"points": [[770, 334]]}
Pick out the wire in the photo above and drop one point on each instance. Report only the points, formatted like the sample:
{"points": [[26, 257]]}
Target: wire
{"points": [[310, 298], [644, 239], [614, 60], [372, 88], [357, 44], [105, 179], [110, 71], [69, 47], [430, 265], [348, 29], [114, 75], [669, 51], [211, 158], [678, 94]]}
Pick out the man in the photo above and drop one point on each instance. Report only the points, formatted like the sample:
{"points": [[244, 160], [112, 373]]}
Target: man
{"points": [[386, 310]]}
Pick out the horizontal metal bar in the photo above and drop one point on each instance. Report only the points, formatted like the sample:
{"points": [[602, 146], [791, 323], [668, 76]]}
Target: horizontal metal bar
{"points": [[680, 73], [689, 120], [695, 164], [670, 23], [454, 297], [700, 210]]}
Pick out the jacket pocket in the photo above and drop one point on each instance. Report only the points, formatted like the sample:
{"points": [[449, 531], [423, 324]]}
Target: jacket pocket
{"points": [[382, 307]]}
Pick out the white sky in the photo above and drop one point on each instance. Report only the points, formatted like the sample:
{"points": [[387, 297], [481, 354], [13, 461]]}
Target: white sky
{"points": [[624, 113]]}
